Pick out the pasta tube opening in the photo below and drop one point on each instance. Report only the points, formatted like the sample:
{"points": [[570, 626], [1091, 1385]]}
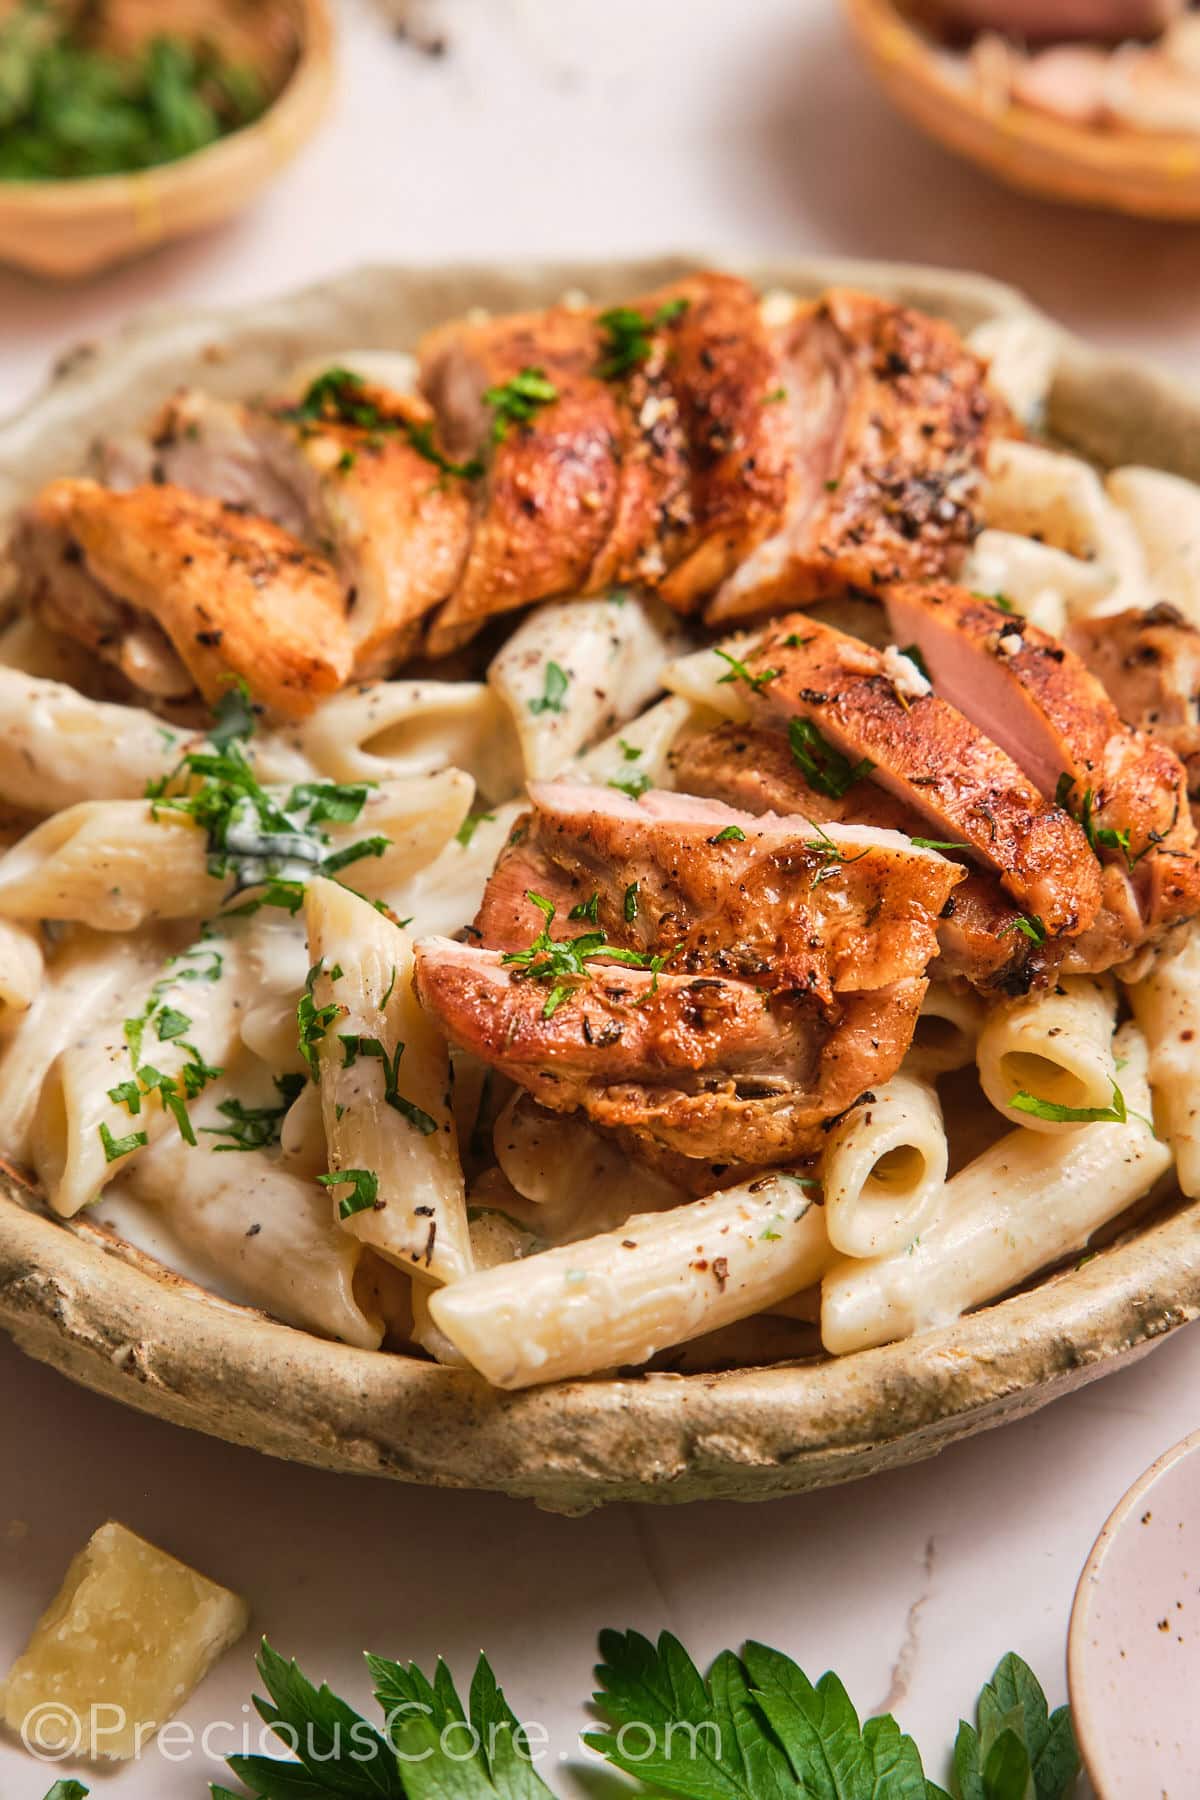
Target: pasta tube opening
{"points": [[1048, 1057], [885, 1168]]}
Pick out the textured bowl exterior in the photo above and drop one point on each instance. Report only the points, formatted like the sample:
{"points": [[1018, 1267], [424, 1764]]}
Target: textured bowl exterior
{"points": [[68, 229], [74, 1297], [1151, 175]]}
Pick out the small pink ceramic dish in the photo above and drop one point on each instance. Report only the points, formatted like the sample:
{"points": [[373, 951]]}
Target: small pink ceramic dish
{"points": [[1133, 1658]]}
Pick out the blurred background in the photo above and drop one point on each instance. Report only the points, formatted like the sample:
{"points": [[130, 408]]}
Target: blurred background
{"points": [[519, 128]]}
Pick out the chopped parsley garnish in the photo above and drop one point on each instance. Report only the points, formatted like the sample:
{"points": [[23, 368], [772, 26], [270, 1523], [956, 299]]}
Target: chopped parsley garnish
{"points": [[631, 903], [364, 1185], [587, 909], [1100, 837], [1002, 602], [354, 1046], [313, 1021], [470, 826], [739, 672], [629, 336], [270, 847], [115, 1148], [1029, 924], [255, 1127], [630, 752], [554, 688], [824, 768], [338, 397], [168, 1025], [775, 396], [938, 844], [515, 402], [561, 961], [1116, 1114], [832, 855], [634, 785], [732, 834]]}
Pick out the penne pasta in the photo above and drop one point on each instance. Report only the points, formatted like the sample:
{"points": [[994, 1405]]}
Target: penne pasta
{"points": [[385, 1099], [1027, 1201], [884, 1168], [58, 748], [947, 1031], [110, 864], [1021, 353], [620, 1297], [83, 982], [1046, 585], [387, 730], [570, 1180], [1051, 1052], [1166, 1005], [21, 970], [1164, 511], [253, 1229], [706, 679], [639, 755], [128, 1083], [575, 670], [1060, 500], [444, 897]]}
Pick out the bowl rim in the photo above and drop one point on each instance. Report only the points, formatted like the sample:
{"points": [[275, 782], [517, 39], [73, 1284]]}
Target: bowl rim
{"points": [[1083, 1710], [71, 1297], [1165, 165], [302, 94]]}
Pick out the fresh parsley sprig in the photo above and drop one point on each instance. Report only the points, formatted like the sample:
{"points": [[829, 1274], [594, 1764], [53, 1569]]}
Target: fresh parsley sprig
{"points": [[517, 401], [269, 847], [824, 768], [754, 1728], [562, 962], [739, 672], [1028, 924], [1116, 1114], [628, 336], [255, 1127], [339, 397], [554, 689], [1100, 837]]}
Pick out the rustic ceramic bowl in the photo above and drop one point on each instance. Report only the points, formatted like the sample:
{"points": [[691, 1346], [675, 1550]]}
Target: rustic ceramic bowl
{"points": [[1133, 1657], [73, 228], [73, 1296], [1155, 175]]}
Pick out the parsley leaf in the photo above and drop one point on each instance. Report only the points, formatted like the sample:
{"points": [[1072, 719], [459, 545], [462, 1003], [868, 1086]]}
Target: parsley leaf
{"points": [[255, 1127], [1100, 837], [631, 902], [338, 397], [339, 1753], [470, 826], [587, 909], [938, 844], [825, 769], [562, 961], [1020, 1748], [629, 336], [739, 672], [364, 1185], [115, 1148], [68, 1790], [313, 1021], [732, 834], [633, 785], [477, 1753], [554, 689], [515, 402], [354, 1046], [1029, 923], [1116, 1114]]}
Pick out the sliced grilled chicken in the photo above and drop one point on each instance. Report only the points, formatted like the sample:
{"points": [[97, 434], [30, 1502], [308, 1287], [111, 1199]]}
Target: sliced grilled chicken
{"points": [[1038, 700], [180, 592], [890, 420], [753, 768], [354, 470], [661, 465], [545, 508], [928, 755], [777, 901], [1149, 663], [704, 1065]]}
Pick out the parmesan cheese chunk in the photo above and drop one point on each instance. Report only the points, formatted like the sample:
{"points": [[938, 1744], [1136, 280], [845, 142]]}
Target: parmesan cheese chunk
{"points": [[127, 1638]]}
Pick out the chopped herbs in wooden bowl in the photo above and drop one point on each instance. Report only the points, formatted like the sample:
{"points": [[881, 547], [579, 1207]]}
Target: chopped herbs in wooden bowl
{"points": [[71, 109]]}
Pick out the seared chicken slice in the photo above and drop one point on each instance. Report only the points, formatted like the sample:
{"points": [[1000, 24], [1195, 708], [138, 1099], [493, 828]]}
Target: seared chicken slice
{"points": [[850, 720], [181, 592], [1039, 700], [353, 469], [544, 509], [778, 901], [704, 1065], [663, 466], [753, 768], [1149, 663], [890, 421]]}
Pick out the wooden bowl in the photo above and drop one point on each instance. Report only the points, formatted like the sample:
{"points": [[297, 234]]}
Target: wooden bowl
{"points": [[1153, 175], [74, 1296], [72, 228]]}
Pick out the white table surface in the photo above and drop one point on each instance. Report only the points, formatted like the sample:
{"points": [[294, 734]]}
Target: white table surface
{"points": [[563, 126]]}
